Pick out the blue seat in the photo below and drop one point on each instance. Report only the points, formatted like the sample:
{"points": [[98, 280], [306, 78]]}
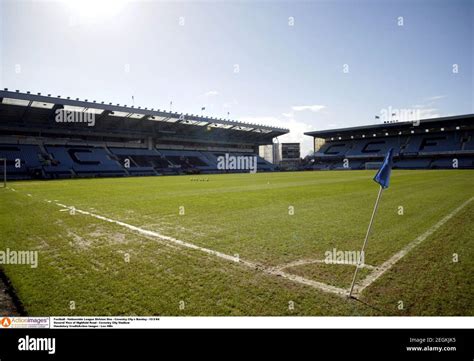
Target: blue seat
{"points": [[23, 160]]}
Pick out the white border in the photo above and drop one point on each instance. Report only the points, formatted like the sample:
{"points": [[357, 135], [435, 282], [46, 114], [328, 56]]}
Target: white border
{"points": [[260, 322]]}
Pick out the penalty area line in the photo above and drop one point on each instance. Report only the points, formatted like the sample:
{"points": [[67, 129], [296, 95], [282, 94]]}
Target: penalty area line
{"points": [[384, 267], [304, 262], [251, 265]]}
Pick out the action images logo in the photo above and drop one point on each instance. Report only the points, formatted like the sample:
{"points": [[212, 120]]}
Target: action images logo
{"points": [[5, 322]]}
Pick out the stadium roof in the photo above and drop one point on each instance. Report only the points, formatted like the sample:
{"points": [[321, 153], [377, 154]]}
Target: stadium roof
{"points": [[457, 120], [39, 101]]}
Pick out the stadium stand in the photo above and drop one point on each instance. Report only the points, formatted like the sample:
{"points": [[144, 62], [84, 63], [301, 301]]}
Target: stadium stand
{"points": [[23, 161], [439, 143], [86, 161], [121, 141], [141, 161]]}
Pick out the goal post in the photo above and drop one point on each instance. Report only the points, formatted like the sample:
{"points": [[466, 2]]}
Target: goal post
{"points": [[3, 172]]}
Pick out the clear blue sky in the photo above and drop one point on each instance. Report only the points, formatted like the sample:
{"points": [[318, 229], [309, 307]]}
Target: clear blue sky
{"points": [[288, 76]]}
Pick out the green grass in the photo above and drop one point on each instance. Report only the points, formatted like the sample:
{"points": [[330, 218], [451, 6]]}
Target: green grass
{"points": [[82, 258]]}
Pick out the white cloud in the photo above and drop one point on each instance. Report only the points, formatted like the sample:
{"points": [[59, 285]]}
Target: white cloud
{"points": [[436, 97], [428, 110], [297, 127], [211, 93], [314, 108], [427, 113], [230, 104], [296, 134]]}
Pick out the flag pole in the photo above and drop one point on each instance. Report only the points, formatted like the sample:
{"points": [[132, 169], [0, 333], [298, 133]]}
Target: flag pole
{"points": [[365, 241]]}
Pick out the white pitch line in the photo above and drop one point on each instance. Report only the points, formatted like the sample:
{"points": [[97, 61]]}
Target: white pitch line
{"points": [[380, 270], [255, 266], [303, 262], [277, 271]]}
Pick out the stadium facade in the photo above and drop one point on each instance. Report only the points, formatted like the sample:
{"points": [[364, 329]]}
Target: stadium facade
{"points": [[46, 137], [438, 143]]}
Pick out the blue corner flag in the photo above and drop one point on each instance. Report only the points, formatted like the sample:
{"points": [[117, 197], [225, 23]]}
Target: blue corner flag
{"points": [[383, 178], [383, 175]]}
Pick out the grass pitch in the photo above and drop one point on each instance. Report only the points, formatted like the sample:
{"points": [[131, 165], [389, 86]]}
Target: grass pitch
{"points": [[89, 266]]}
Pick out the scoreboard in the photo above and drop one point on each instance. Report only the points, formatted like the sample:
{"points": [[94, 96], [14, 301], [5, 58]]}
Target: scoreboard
{"points": [[290, 151]]}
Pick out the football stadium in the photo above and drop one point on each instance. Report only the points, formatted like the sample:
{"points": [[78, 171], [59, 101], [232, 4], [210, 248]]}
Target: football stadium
{"points": [[121, 210]]}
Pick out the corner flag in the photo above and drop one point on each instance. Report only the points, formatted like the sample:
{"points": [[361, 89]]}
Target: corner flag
{"points": [[383, 179], [383, 175]]}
